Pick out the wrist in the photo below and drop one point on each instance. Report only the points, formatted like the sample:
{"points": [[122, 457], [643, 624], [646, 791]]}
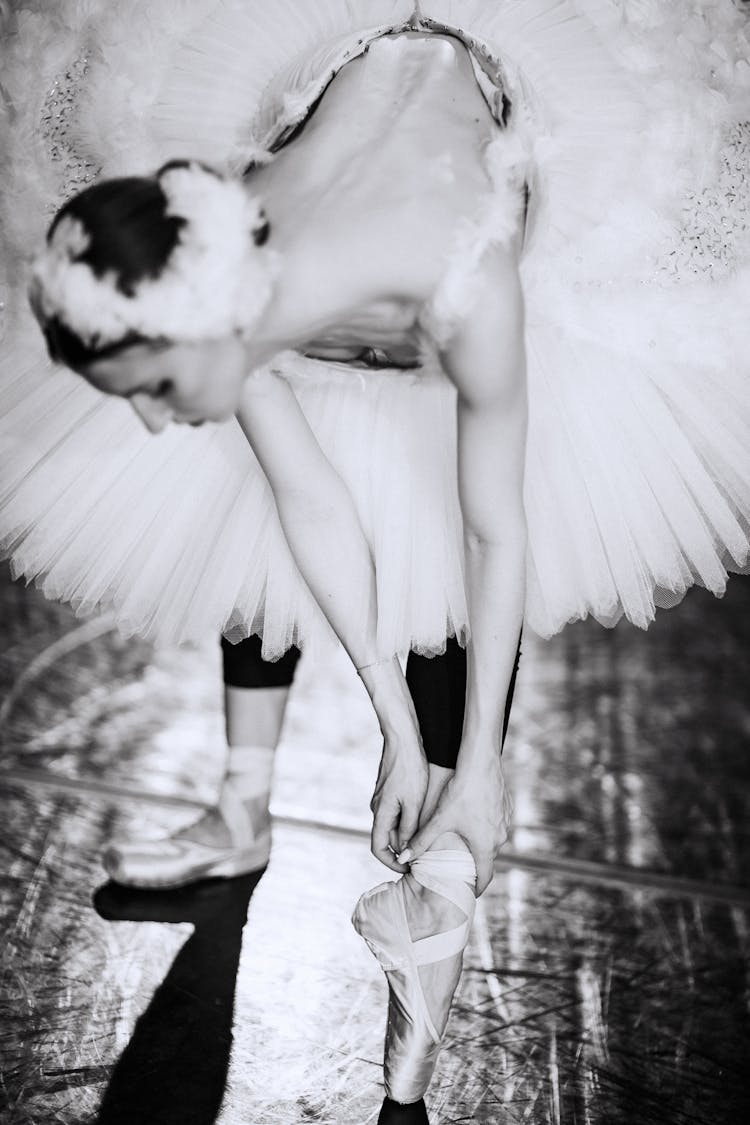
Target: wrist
{"points": [[479, 758], [371, 665], [385, 684], [481, 741], [380, 676]]}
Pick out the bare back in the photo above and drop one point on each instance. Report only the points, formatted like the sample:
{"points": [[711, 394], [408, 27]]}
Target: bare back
{"points": [[366, 198]]}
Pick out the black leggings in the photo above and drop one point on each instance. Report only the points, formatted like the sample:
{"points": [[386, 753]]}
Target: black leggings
{"points": [[437, 685]]}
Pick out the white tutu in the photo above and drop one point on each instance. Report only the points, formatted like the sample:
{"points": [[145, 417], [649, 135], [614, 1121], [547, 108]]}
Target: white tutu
{"points": [[638, 465], [180, 536]]}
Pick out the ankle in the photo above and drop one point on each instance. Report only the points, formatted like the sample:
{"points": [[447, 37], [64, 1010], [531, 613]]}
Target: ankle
{"points": [[249, 771]]}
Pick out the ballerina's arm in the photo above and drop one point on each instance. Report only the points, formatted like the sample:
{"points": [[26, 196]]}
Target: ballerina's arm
{"points": [[486, 361], [322, 528]]}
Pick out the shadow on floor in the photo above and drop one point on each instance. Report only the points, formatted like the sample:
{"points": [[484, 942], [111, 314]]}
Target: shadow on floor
{"points": [[174, 1069]]}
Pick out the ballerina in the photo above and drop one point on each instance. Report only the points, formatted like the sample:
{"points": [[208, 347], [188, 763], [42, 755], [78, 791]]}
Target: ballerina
{"points": [[360, 282], [237, 286]]}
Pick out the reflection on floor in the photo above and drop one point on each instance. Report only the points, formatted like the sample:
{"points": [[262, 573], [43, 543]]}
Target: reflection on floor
{"points": [[607, 980]]}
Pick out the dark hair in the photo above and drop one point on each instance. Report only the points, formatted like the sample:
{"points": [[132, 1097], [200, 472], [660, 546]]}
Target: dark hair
{"points": [[130, 236]]}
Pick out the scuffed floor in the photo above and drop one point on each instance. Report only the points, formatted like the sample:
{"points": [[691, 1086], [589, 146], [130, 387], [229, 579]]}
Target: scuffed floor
{"points": [[607, 977]]}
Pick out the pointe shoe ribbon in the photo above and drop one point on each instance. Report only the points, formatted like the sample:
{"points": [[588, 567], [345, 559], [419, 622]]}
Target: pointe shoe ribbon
{"points": [[175, 861], [412, 1038]]}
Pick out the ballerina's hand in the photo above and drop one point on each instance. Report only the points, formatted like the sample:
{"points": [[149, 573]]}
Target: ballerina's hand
{"points": [[475, 806], [399, 795]]}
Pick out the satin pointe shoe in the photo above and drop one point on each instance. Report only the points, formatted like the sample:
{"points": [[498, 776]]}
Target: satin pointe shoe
{"points": [[177, 860], [415, 1030]]}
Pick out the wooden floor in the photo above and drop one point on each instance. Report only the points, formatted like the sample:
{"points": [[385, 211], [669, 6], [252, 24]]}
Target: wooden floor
{"points": [[608, 974]]}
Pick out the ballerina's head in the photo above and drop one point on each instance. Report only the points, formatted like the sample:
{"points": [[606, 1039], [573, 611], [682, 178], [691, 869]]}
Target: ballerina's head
{"points": [[148, 287]]}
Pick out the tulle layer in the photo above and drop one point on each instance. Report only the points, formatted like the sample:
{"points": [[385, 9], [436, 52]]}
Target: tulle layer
{"points": [[178, 535], [638, 463], [638, 471], [636, 487]]}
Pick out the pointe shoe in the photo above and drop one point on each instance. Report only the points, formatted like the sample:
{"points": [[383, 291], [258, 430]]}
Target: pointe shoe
{"points": [[412, 1039], [175, 861]]}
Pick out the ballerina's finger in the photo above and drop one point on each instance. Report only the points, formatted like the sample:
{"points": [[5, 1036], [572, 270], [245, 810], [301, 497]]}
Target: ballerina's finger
{"points": [[407, 827], [384, 825], [400, 834], [484, 850], [485, 866], [438, 824], [425, 837]]}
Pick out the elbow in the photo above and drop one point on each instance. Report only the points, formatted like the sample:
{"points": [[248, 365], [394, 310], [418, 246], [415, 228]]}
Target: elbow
{"points": [[510, 540]]}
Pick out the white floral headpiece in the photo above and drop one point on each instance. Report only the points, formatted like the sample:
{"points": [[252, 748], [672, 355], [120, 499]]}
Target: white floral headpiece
{"points": [[217, 281]]}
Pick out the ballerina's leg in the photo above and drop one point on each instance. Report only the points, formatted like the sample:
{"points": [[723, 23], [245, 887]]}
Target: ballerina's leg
{"points": [[399, 920], [233, 836], [418, 927]]}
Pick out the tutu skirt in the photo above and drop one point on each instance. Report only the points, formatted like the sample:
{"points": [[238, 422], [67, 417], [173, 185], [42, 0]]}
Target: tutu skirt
{"points": [[179, 537], [638, 461]]}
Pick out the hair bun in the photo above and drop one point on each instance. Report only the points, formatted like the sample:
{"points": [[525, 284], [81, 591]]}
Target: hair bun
{"points": [[215, 282]]}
